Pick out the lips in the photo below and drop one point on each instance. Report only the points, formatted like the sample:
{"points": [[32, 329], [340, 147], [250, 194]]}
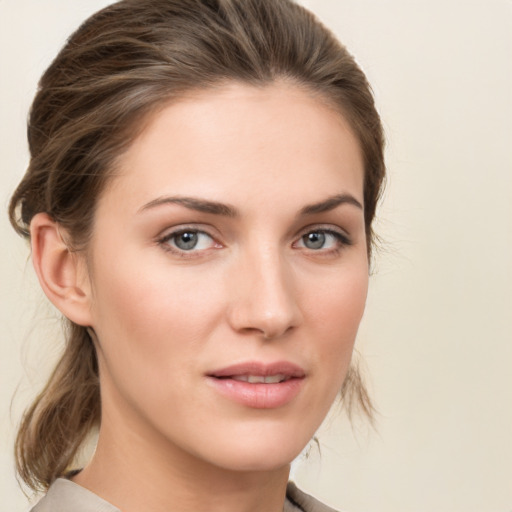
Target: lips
{"points": [[259, 385], [284, 368]]}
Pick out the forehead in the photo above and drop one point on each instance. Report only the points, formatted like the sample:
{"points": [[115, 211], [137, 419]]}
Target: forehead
{"points": [[246, 142]]}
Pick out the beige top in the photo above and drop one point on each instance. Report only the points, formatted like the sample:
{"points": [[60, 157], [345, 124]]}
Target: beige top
{"points": [[66, 496]]}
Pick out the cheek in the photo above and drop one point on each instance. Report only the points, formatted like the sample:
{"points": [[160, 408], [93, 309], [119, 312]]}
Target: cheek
{"points": [[156, 314], [151, 329], [338, 302], [335, 311]]}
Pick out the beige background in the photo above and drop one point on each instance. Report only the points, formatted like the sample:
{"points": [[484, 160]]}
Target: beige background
{"points": [[437, 337]]}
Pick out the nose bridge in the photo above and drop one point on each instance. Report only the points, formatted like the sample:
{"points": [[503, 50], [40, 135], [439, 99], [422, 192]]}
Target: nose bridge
{"points": [[265, 299]]}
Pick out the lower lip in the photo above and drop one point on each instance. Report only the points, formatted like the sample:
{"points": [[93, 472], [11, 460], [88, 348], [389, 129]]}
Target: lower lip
{"points": [[258, 396]]}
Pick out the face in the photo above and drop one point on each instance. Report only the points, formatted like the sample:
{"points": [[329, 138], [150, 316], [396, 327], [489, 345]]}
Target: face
{"points": [[228, 275]]}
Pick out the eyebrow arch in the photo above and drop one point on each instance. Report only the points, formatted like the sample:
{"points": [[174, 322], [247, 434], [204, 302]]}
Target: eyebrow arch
{"points": [[330, 203], [192, 203]]}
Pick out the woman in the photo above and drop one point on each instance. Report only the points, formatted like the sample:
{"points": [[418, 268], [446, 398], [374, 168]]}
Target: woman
{"points": [[199, 201]]}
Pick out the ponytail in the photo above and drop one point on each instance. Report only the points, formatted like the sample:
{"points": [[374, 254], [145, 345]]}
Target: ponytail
{"points": [[354, 394], [54, 427]]}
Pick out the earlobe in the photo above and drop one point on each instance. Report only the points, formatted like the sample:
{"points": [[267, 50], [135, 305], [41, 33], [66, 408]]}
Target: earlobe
{"points": [[60, 271]]}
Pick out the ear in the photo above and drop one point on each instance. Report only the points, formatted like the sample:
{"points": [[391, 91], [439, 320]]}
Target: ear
{"points": [[61, 272]]}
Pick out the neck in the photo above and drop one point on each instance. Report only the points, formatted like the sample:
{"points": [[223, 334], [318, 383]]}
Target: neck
{"points": [[138, 472]]}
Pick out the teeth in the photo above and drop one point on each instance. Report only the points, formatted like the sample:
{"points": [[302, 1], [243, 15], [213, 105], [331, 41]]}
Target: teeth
{"points": [[260, 379], [274, 379]]}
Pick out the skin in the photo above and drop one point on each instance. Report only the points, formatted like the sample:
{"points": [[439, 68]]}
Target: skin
{"points": [[253, 289]]}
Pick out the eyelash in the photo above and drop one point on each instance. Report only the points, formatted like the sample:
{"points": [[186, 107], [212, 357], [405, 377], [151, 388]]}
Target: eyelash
{"points": [[342, 241], [341, 238], [166, 246]]}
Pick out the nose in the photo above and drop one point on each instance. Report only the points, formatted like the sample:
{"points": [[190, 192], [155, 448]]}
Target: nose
{"points": [[264, 297]]}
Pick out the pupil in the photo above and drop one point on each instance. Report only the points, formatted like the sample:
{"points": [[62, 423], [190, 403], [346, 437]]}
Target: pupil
{"points": [[187, 240], [314, 240]]}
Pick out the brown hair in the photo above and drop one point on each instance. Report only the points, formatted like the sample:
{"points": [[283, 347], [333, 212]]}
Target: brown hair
{"points": [[119, 66]]}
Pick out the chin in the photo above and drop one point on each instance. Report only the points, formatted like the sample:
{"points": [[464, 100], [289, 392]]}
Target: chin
{"points": [[261, 452], [259, 462]]}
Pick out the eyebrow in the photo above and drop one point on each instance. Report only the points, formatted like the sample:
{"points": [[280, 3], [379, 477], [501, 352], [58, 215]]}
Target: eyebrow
{"points": [[193, 203], [226, 210], [330, 203]]}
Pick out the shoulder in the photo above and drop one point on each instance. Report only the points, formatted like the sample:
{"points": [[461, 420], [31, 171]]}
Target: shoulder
{"points": [[66, 496], [297, 500]]}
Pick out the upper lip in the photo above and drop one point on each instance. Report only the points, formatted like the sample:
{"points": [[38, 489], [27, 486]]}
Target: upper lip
{"points": [[285, 368]]}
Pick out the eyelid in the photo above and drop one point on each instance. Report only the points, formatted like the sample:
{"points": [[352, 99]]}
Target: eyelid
{"points": [[180, 228], [169, 233], [326, 228], [343, 240]]}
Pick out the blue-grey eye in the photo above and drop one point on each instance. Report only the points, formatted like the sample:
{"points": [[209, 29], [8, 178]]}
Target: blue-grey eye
{"points": [[187, 240], [322, 240], [314, 240], [190, 240]]}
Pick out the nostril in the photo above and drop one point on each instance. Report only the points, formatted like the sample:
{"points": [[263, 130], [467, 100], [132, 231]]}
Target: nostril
{"points": [[270, 332]]}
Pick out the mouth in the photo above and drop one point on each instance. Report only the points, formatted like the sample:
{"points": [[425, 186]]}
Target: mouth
{"points": [[262, 372], [261, 379], [259, 385]]}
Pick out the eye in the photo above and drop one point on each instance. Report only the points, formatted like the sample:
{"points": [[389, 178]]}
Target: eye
{"points": [[322, 240], [188, 240]]}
